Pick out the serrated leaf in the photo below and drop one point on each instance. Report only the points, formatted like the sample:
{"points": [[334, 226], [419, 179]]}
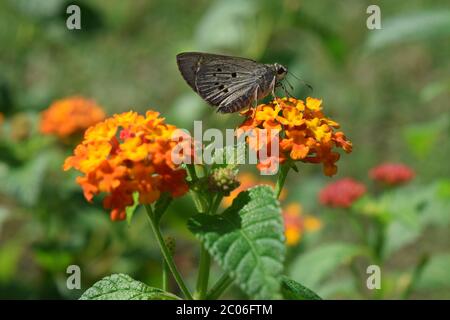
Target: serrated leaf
{"points": [[293, 290], [314, 266], [123, 287], [247, 241]]}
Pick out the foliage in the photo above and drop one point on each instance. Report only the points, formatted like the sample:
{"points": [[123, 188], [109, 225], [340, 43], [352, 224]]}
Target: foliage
{"points": [[387, 88]]}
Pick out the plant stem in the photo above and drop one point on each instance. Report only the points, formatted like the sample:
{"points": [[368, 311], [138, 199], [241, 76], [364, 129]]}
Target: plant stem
{"points": [[282, 178], [215, 203], [219, 287], [201, 204], [166, 254], [190, 170], [416, 276], [205, 258], [379, 244], [203, 274], [165, 276], [357, 277]]}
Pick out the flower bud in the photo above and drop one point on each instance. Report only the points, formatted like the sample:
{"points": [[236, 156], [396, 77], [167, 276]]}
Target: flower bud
{"points": [[170, 244], [223, 180]]}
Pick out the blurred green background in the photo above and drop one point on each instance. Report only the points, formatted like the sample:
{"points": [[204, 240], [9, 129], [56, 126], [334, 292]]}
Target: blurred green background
{"points": [[389, 89]]}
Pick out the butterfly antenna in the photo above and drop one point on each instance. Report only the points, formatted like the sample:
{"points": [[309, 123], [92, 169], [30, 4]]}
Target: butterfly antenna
{"points": [[290, 85], [303, 81], [286, 91]]}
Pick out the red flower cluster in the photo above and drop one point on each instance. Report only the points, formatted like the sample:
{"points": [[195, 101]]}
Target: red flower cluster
{"points": [[392, 173], [341, 193]]}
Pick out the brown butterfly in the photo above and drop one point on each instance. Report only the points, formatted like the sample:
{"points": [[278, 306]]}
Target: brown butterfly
{"points": [[229, 83]]}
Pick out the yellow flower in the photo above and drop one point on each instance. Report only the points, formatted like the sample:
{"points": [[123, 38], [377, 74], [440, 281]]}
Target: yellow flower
{"points": [[320, 131], [134, 149], [124, 154], [305, 133], [313, 104], [292, 116]]}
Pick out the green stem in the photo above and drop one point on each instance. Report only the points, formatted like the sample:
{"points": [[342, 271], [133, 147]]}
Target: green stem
{"points": [[416, 275], [205, 258], [282, 178], [380, 230], [215, 203], [219, 287], [165, 276], [200, 202], [190, 169], [357, 277], [166, 254], [203, 274], [358, 226]]}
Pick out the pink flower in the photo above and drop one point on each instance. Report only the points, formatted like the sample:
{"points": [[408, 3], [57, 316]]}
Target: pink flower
{"points": [[392, 173], [341, 193]]}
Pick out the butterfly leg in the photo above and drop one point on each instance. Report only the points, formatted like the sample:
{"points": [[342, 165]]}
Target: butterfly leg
{"points": [[273, 85], [255, 97]]}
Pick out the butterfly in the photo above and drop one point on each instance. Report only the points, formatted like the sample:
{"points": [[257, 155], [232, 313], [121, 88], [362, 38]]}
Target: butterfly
{"points": [[229, 83]]}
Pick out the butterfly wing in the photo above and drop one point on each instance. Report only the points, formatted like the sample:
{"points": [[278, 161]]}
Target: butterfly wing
{"points": [[230, 83]]}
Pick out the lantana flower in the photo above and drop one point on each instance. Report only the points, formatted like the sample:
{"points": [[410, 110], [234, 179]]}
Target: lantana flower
{"points": [[69, 116], [305, 134], [392, 173], [296, 223], [124, 154], [342, 193]]}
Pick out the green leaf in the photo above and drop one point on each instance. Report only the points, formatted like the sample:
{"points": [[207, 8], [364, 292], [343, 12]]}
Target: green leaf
{"points": [[341, 288], [424, 137], [411, 27], [10, 253], [25, 182], [129, 211], [123, 287], [399, 235], [247, 241], [314, 266], [436, 274], [292, 290], [161, 205], [236, 26]]}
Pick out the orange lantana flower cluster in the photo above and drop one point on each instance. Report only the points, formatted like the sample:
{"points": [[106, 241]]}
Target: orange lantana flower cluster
{"points": [[70, 116], [124, 154], [305, 134]]}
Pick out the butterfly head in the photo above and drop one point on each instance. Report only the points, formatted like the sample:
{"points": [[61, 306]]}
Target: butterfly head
{"points": [[281, 71]]}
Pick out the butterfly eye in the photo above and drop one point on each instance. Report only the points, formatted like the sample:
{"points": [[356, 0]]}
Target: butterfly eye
{"points": [[281, 70]]}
